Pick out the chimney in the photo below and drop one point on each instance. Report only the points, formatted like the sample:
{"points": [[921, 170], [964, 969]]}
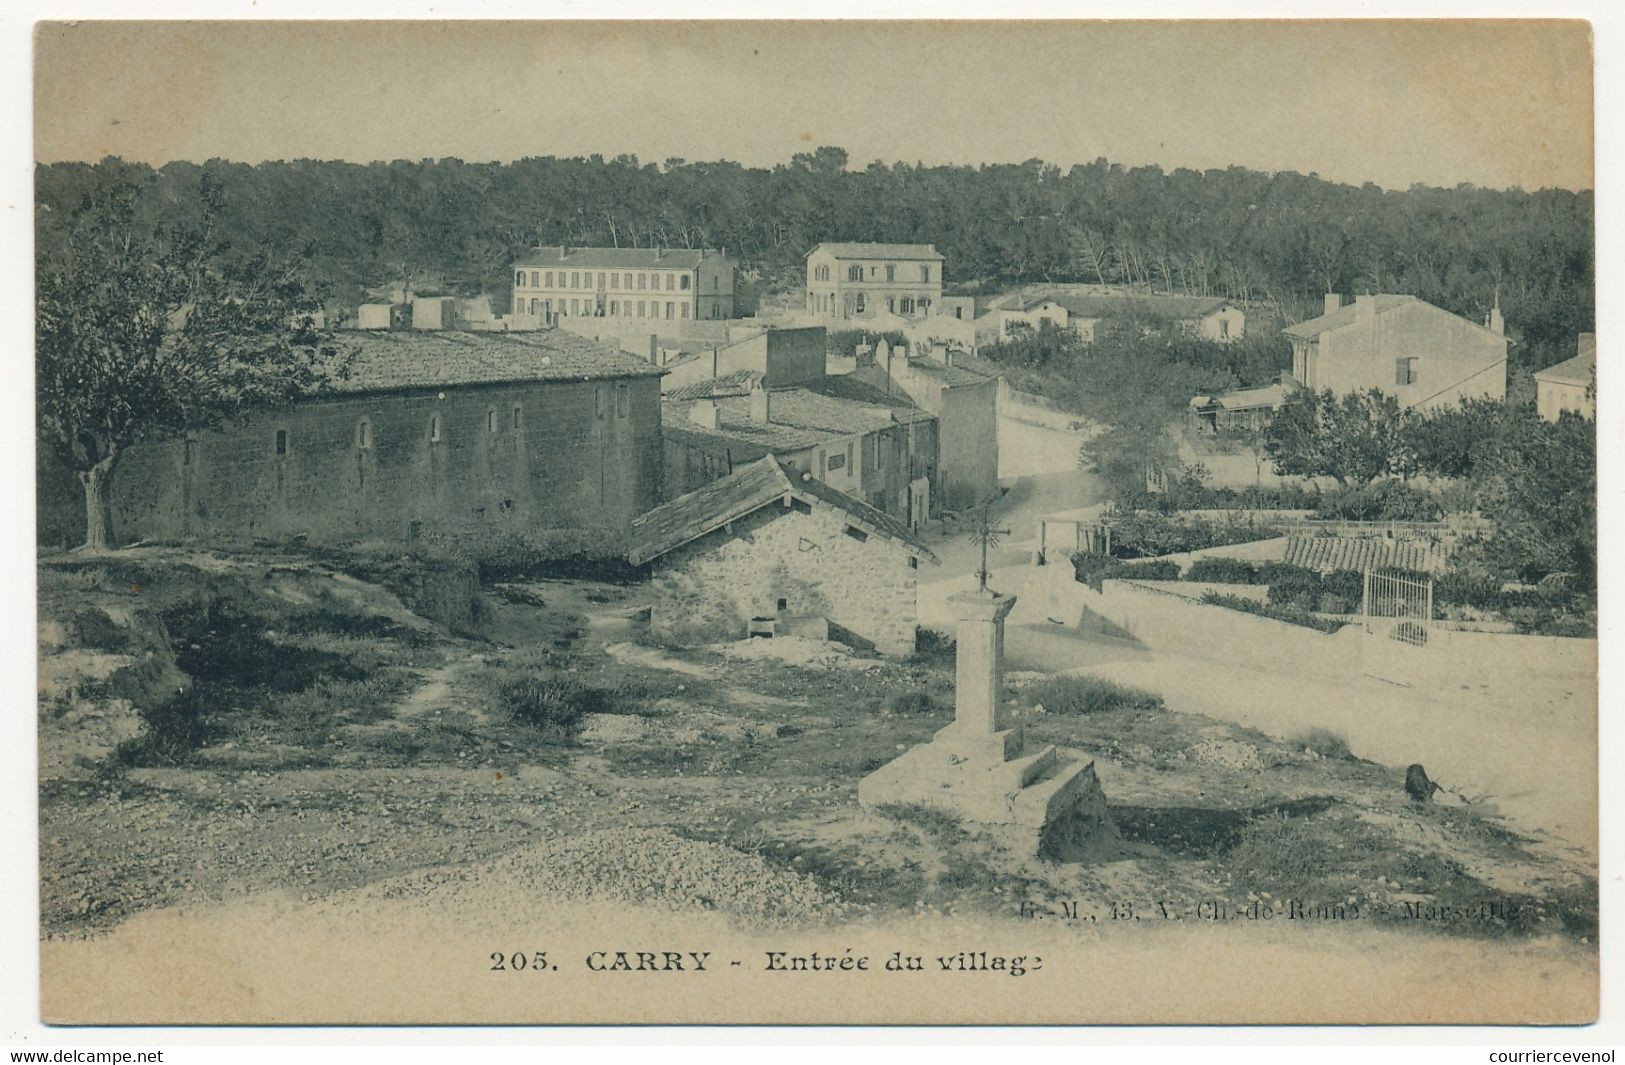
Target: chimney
{"points": [[654, 348], [1333, 301], [940, 352], [1493, 320], [563, 251], [703, 413], [761, 407], [1365, 307]]}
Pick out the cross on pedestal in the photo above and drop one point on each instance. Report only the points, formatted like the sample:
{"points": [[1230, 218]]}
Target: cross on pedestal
{"points": [[981, 728]]}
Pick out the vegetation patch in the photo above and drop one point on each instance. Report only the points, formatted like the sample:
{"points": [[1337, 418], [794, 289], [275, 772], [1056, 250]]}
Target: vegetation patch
{"points": [[1292, 615], [1077, 695]]}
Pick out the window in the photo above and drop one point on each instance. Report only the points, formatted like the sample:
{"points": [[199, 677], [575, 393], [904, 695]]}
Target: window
{"points": [[671, 282], [854, 273], [685, 310], [906, 305], [683, 284], [642, 282], [891, 272], [550, 279], [363, 434], [282, 441], [800, 506], [859, 303], [784, 604], [856, 533], [518, 418], [491, 420], [849, 456], [628, 277], [615, 308], [519, 279], [671, 310], [600, 279], [434, 429], [598, 403], [925, 274], [189, 452], [1224, 329], [623, 401], [614, 280], [835, 462], [640, 308], [533, 279], [1405, 371]]}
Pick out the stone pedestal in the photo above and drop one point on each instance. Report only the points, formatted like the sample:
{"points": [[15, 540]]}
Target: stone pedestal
{"points": [[979, 769]]}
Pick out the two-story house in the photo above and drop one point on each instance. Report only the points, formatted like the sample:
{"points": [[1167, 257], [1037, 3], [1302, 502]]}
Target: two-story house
{"points": [[665, 284], [859, 281], [1422, 355]]}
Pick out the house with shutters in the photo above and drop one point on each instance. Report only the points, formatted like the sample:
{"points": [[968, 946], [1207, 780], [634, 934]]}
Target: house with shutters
{"points": [[1570, 384], [1422, 355], [770, 550], [852, 281]]}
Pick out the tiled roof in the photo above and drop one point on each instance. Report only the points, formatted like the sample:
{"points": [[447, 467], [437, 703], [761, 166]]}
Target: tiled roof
{"points": [[616, 258], [867, 384], [1171, 308], [1247, 398], [1576, 371], [738, 383], [798, 419], [880, 251], [953, 376], [761, 483], [403, 359], [1343, 316], [1360, 553]]}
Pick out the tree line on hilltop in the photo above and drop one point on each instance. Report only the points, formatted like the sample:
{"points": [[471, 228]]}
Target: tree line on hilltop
{"points": [[1283, 238]]}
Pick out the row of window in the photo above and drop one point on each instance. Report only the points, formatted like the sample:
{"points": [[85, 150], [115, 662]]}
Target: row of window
{"points": [[584, 279], [494, 422], [870, 272], [858, 303], [614, 308]]}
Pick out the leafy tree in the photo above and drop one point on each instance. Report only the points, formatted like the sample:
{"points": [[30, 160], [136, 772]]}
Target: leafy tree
{"points": [[1537, 485], [1354, 439], [1448, 441], [145, 335]]}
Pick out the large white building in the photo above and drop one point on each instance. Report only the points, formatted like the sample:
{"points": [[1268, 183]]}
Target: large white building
{"points": [[666, 284], [861, 281]]}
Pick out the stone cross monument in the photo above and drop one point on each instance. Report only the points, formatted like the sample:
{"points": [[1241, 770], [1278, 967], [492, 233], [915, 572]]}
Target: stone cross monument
{"points": [[978, 768]]}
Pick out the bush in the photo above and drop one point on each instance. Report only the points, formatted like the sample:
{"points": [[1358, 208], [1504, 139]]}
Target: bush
{"points": [[1291, 614], [1324, 742], [1222, 571], [552, 702], [531, 554], [1385, 500], [914, 701], [1092, 568], [1087, 695], [1147, 533]]}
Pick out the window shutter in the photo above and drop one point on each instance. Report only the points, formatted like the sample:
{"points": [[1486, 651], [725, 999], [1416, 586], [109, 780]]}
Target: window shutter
{"points": [[1401, 374]]}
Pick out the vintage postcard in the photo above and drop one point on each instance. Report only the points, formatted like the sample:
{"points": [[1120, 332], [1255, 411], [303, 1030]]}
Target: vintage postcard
{"points": [[816, 522]]}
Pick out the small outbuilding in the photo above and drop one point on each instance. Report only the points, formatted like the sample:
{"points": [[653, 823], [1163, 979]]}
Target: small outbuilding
{"points": [[770, 551]]}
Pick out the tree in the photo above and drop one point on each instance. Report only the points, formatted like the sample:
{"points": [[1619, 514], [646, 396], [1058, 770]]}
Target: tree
{"points": [[1537, 485], [1448, 441], [149, 334], [1354, 440]]}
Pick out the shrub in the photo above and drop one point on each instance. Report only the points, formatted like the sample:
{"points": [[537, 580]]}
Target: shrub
{"points": [[529, 554], [1291, 614], [1092, 568], [1087, 695], [1385, 500], [1223, 571], [552, 702], [913, 701], [1324, 742], [1158, 570]]}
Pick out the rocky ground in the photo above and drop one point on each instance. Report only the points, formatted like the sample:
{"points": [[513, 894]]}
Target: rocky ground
{"points": [[382, 758]]}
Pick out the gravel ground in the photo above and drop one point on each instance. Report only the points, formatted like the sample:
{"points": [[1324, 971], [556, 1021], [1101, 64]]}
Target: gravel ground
{"points": [[648, 868]]}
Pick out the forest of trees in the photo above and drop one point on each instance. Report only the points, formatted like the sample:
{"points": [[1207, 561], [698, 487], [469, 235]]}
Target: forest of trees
{"points": [[1283, 238]]}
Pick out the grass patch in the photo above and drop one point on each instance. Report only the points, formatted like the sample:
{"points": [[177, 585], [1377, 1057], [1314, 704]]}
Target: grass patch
{"points": [[1324, 742], [913, 701], [1087, 695], [934, 821]]}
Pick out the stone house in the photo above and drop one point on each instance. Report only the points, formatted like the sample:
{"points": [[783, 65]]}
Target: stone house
{"points": [[1208, 317], [965, 403], [634, 285], [782, 358], [1570, 384], [771, 550], [1422, 355], [885, 455], [471, 434], [855, 282]]}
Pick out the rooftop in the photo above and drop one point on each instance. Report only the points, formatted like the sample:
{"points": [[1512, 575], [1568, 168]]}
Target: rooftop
{"points": [[1344, 315], [617, 258], [764, 482], [798, 419], [1171, 308], [1580, 370], [393, 360], [842, 250], [1361, 553], [738, 383]]}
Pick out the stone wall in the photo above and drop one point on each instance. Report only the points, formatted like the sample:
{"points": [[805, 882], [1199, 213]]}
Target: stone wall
{"points": [[583, 454], [709, 590]]}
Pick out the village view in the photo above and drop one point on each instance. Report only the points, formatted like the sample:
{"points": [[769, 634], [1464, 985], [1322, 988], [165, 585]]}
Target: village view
{"points": [[817, 544]]}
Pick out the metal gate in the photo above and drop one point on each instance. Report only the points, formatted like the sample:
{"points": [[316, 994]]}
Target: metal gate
{"points": [[1398, 608]]}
